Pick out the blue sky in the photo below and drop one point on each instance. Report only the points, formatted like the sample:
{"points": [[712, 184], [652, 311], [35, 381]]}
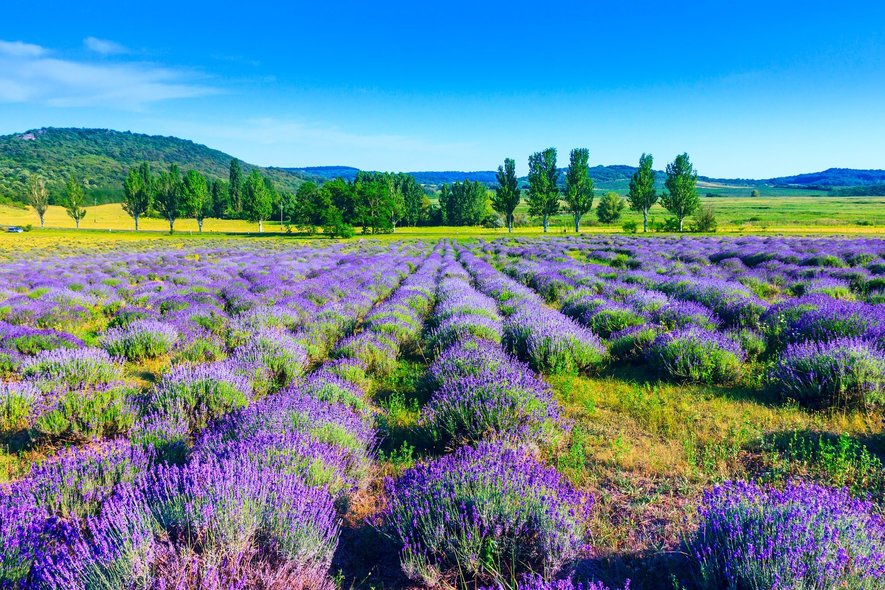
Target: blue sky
{"points": [[749, 89]]}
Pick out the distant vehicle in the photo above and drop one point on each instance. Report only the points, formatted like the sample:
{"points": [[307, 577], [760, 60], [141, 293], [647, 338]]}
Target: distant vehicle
{"points": [[14, 229]]}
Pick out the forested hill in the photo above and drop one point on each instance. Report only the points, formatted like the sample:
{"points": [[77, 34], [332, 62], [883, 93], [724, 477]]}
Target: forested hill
{"points": [[100, 158], [616, 176]]}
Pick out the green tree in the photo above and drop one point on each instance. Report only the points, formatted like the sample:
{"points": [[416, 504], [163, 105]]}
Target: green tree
{"points": [[507, 195], [755, 193], [642, 194], [374, 202], [578, 185], [343, 197], [169, 198], [413, 198], [610, 207], [220, 198], [235, 186], [258, 201], [464, 203], [75, 197], [138, 192], [38, 196], [543, 195], [681, 198], [197, 198]]}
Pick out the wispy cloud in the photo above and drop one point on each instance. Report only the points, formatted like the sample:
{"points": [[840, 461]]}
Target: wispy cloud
{"points": [[30, 73], [103, 46]]}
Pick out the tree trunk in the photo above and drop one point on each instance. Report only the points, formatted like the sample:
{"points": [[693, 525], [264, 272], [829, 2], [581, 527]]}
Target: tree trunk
{"points": [[644, 220], [260, 226], [200, 224], [681, 220], [544, 222], [41, 221], [510, 223], [77, 223], [136, 221], [577, 223], [171, 224]]}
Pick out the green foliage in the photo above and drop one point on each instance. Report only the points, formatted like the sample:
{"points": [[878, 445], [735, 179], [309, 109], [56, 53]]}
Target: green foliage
{"points": [[642, 194], [138, 191], [235, 186], [704, 220], [507, 196], [169, 199], [630, 227], [464, 203], [681, 198], [80, 416], [197, 199], [578, 185], [38, 196], [74, 200], [257, 200], [610, 207], [543, 195], [104, 157]]}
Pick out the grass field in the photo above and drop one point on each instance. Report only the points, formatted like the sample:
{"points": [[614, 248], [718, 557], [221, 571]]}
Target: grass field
{"points": [[795, 214]]}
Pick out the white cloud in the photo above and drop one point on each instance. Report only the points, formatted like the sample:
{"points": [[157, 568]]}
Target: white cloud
{"points": [[103, 46], [19, 49], [29, 74]]}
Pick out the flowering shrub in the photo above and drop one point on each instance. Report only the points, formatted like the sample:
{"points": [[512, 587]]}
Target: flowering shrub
{"points": [[846, 371], [142, 339], [72, 367], [696, 355], [194, 395], [551, 343], [485, 514], [632, 344], [804, 536]]}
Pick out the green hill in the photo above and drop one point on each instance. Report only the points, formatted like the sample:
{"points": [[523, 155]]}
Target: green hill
{"points": [[101, 158]]}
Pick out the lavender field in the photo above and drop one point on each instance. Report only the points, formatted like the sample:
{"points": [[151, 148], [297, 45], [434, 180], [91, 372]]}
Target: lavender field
{"points": [[592, 412]]}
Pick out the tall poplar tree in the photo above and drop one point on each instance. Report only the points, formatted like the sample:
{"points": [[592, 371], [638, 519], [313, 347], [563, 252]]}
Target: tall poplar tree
{"points": [[38, 196], [578, 185], [507, 196], [258, 202], [681, 198], [642, 194], [235, 186], [75, 197], [170, 195], [543, 197], [197, 198], [138, 192]]}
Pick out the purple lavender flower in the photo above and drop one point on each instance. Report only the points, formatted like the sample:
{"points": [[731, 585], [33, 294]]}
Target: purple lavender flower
{"points": [[484, 514], [804, 536], [696, 355]]}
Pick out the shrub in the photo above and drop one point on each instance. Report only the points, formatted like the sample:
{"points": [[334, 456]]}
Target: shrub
{"points": [[378, 352], [196, 395], [550, 342], [142, 339], [630, 227], [484, 514], [612, 317], [271, 359], [506, 402], [18, 402], [80, 415], [632, 344], [610, 207], [804, 536], [704, 220], [696, 355], [72, 367], [847, 371]]}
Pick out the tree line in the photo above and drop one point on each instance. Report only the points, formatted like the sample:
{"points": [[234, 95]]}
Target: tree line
{"points": [[379, 202]]}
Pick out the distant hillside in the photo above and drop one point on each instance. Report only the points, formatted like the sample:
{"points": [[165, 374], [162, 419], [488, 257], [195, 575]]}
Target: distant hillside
{"points": [[426, 178], [834, 177], [100, 158]]}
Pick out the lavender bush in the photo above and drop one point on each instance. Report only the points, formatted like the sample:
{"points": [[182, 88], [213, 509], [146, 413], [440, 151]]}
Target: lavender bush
{"points": [[696, 355], [804, 537], [486, 514]]}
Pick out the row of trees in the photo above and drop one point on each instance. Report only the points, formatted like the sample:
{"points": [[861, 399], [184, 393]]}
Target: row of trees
{"points": [[379, 202], [172, 195], [545, 199]]}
